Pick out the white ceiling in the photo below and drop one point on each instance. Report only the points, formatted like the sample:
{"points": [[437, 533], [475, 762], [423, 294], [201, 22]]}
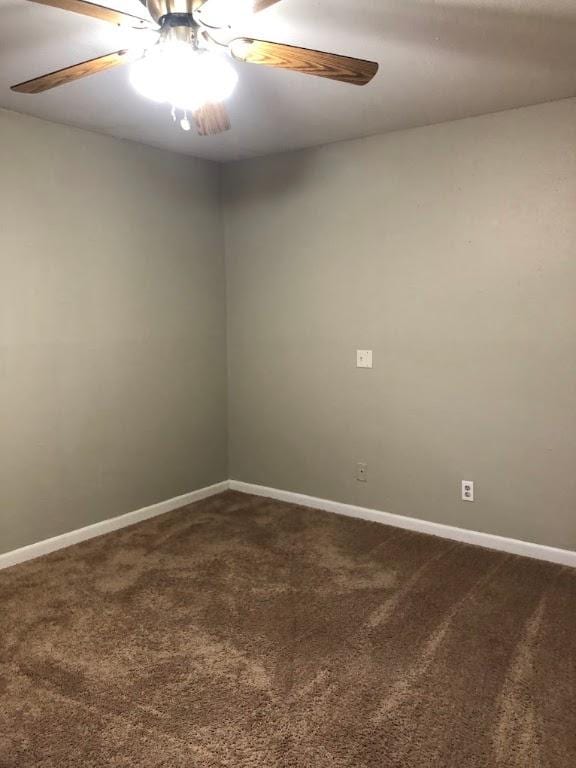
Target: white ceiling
{"points": [[439, 60]]}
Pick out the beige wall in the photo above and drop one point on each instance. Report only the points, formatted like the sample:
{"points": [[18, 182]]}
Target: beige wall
{"points": [[451, 252], [112, 328]]}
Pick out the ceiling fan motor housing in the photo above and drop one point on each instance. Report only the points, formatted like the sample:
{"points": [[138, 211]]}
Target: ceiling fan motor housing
{"points": [[179, 27], [159, 9]]}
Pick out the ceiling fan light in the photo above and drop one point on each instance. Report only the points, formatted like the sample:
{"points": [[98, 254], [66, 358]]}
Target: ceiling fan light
{"points": [[217, 77], [147, 77], [183, 77]]}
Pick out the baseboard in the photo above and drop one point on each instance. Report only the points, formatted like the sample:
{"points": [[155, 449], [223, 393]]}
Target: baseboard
{"points": [[106, 526], [489, 540]]}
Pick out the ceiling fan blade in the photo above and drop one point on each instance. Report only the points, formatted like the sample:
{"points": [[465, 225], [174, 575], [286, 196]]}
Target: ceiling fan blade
{"points": [[98, 12], [261, 5], [69, 74], [306, 60], [211, 118]]}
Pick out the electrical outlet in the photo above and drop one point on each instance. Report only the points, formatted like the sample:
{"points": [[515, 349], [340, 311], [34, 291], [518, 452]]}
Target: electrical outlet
{"points": [[467, 490], [362, 472]]}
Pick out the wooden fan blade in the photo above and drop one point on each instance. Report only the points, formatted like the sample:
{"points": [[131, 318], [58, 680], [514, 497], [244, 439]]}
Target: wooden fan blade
{"points": [[306, 60], [98, 12], [69, 74], [261, 5], [211, 118]]}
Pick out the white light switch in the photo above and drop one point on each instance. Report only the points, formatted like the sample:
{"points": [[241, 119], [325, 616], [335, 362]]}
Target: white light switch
{"points": [[363, 358]]}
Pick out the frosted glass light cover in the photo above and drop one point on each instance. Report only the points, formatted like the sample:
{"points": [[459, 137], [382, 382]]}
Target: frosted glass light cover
{"points": [[183, 77]]}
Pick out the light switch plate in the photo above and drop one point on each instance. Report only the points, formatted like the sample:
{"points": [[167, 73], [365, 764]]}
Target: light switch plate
{"points": [[363, 358]]}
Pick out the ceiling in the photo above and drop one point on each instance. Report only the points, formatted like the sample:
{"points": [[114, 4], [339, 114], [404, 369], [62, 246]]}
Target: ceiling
{"points": [[439, 60]]}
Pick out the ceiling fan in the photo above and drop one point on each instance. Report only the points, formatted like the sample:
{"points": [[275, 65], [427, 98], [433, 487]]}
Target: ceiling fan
{"points": [[184, 65]]}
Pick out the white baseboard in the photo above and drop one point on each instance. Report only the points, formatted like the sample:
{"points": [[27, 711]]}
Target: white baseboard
{"points": [[106, 526], [489, 540]]}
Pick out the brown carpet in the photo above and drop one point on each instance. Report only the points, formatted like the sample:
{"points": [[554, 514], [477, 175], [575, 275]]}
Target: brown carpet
{"points": [[250, 633]]}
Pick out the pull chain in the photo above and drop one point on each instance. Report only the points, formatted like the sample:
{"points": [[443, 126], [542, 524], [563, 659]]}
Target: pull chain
{"points": [[185, 123]]}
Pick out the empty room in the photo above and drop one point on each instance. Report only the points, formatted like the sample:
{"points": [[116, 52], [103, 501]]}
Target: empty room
{"points": [[287, 384]]}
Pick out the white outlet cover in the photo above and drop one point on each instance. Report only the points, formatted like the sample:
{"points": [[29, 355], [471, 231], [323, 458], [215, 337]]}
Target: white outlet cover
{"points": [[363, 358], [467, 490]]}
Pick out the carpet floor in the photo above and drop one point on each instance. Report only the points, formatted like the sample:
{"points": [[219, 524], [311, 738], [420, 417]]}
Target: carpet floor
{"points": [[248, 633]]}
